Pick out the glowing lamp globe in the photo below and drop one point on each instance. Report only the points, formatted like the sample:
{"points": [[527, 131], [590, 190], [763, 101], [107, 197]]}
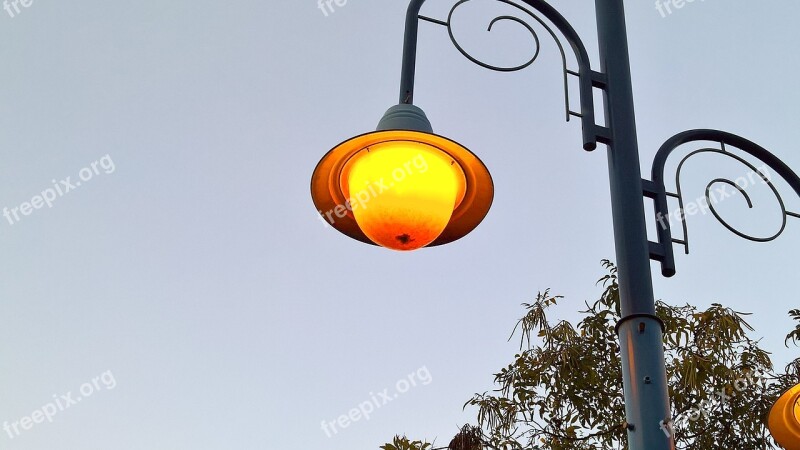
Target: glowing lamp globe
{"points": [[784, 419], [402, 187], [403, 193]]}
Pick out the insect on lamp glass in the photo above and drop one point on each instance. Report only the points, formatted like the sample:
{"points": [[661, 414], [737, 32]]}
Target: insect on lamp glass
{"points": [[402, 187]]}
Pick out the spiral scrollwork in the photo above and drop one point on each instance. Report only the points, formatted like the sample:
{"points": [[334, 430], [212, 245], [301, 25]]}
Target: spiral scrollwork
{"points": [[526, 25], [711, 197], [662, 251], [541, 13]]}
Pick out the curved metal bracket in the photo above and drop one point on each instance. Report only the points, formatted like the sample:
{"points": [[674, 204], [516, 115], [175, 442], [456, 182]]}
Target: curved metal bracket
{"points": [[662, 250], [587, 78]]}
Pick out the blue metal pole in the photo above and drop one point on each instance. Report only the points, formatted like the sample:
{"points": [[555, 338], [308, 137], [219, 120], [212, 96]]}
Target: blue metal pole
{"points": [[640, 331]]}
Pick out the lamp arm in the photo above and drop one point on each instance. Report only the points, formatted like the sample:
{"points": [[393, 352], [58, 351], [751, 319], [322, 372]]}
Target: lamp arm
{"points": [[410, 52], [587, 78], [656, 190]]}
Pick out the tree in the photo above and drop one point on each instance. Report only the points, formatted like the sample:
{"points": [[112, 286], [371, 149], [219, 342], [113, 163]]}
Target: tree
{"points": [[566, 392]]}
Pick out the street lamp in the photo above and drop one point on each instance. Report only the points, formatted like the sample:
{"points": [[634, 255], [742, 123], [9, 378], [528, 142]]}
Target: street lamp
{"points": [[358, 176], [784, 419], [402, 187]]}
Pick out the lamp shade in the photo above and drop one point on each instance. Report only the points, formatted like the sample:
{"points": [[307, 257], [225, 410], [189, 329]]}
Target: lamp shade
{"points": [[402, 189], [784, 419]]}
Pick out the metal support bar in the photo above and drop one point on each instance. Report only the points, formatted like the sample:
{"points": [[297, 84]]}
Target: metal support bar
{"points": [[657, 252], [603, 135], [599, 80]]}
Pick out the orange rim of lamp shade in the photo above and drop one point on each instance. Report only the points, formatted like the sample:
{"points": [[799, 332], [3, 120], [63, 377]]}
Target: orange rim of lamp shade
{"points": [[784, 419], [400, 174]]}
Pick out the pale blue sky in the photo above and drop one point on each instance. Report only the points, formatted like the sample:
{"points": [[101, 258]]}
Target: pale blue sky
{"points": [[198, 275]]}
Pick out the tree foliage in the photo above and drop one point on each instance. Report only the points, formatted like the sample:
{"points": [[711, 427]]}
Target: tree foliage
{"points": [[403, 443], [565, 392]]}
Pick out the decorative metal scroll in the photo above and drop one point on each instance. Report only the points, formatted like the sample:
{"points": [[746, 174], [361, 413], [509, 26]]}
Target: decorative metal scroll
{"points": [[662, 250], [469, 56], [586, 77]]}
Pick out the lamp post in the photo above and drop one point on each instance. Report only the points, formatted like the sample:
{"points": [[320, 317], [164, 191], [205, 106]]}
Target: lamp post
{"points": [[350, 190]]}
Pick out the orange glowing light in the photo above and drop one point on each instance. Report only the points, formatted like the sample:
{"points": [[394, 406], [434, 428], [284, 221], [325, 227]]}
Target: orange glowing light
{"points": [[403, 193]]}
